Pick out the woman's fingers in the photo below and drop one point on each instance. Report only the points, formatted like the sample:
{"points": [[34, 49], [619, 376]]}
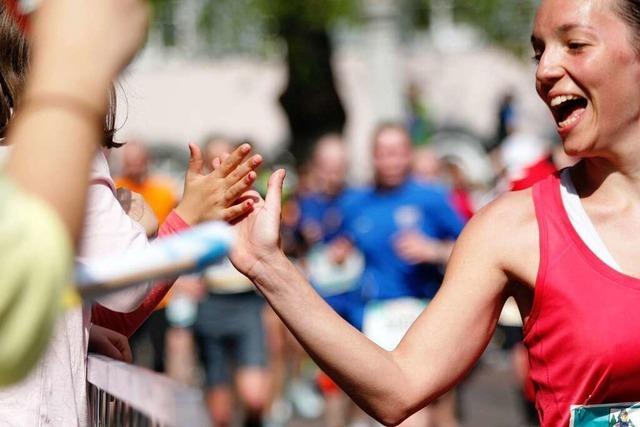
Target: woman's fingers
{"points": [[274, 191]]}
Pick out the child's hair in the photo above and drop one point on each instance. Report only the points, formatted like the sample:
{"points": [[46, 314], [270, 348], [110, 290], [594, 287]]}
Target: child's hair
{"points": [[14, 65]]}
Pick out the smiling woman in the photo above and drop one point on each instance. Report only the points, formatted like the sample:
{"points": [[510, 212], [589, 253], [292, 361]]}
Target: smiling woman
{"points": [[580, 48], [562, 249]]}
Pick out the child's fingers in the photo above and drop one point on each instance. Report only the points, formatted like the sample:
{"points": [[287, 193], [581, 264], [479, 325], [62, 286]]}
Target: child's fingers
{"points": [[195, 159], [232, 161], [239, 188], [122, 344], [236, 211], [110, 350], [243, 169]]}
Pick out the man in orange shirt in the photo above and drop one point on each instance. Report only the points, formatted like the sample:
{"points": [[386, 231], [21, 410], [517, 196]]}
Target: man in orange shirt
{"points": [[135, 177]]}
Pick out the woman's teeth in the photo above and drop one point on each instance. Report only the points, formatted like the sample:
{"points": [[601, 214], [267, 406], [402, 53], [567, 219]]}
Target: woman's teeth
{"points": [[561, 99], [571, 119]]}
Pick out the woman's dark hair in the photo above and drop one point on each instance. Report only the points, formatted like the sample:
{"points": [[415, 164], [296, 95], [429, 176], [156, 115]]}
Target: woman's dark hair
{"points": [[14, 65], [629, 11]]}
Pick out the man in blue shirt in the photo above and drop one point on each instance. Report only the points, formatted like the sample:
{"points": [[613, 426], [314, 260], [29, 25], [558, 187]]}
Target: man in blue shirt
{"points": [[405, 229], [321, 221]]}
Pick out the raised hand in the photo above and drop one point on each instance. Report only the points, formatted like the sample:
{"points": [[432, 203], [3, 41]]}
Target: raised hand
{"points": [[258, 232], [340, 249], [416, 248], [215, 195]]}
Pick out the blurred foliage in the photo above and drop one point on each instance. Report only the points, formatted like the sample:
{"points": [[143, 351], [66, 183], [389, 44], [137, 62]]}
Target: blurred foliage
{"points": [[506, 22], [252, 26], [247, 25], [317, 14]]}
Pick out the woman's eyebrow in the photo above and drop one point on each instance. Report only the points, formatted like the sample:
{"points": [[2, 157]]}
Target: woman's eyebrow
{"points": [[563, 29]]}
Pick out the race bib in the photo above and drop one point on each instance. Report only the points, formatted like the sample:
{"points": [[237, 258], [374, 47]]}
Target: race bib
{"points": [[386, 322], [606, 415], [333, 279], [222, 277]]}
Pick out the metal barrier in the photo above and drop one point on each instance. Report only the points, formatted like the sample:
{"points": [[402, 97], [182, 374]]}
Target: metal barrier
{"points": [[124, 395]]}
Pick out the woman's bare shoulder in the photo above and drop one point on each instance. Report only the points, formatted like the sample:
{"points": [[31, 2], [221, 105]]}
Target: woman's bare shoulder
{"points": [[512, 209], [508, 229]]}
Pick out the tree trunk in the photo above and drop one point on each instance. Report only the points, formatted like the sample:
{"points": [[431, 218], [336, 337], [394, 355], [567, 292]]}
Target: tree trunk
{"points": [[310, 99]]}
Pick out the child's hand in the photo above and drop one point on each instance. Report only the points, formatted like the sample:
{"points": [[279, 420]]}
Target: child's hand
{"points": [[214, 196], [109, 343]]}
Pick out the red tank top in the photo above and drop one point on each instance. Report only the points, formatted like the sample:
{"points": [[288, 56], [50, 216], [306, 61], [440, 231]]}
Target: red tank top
{"points": [[583, 335]]}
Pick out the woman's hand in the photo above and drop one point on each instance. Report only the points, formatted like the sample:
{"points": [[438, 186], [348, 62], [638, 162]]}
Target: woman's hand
{"points": [[258, 232], [109, 343], [215, 196]]}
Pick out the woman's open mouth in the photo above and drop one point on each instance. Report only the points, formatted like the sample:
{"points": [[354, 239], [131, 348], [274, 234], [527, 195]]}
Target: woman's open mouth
{"points": [[567, 110]]}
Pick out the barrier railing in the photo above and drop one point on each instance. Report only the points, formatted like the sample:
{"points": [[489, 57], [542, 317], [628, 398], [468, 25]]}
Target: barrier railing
{"points": [[123, 395]]}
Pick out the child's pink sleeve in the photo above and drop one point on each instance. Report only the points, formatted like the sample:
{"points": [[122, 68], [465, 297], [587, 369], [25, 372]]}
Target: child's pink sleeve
{"points": [[128, 323]]}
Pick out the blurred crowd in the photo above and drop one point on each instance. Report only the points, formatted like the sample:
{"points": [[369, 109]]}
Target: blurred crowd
{"points": [[375, 251]]}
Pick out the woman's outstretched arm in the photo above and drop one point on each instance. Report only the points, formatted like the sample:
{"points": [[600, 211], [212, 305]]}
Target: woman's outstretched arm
{"points": [[441, 346]]}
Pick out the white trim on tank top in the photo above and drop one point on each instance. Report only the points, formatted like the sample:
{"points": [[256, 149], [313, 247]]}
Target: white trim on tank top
{"points": [[581, 221]]}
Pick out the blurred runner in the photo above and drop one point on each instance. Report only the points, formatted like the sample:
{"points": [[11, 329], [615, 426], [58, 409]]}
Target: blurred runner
{"points": [[229, 333], [321, 217], [426, 165], [405, 230], [428, 168], [292, 389]]}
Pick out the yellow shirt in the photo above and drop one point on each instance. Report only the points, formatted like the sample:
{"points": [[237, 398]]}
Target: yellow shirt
{"points": [[35, 270]]}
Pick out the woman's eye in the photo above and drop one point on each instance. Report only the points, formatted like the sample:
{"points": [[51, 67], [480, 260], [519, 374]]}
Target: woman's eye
{"points": [[576, 46], [536, 57]]}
